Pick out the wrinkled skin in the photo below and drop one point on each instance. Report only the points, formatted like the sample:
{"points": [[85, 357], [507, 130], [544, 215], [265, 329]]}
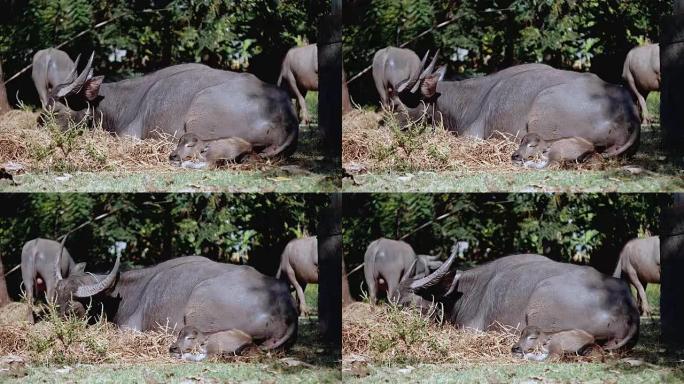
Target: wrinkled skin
{"points": [[639, 264], [571, 149], [554, 345], [40, 259], [191, 291], [208, 153], [195, 345], [51, 67], [299, 266], [532, 98], [299, 74], [641, 73], [394, 69], [186, 98], [532, 290], [387, 261]]}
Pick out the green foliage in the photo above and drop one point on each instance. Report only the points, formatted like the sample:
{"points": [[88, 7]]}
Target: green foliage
{"points": [[239, 228], [580, 228], [138, 37], [585, 35]]}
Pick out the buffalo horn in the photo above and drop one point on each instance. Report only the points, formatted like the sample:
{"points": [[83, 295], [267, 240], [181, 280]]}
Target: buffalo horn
{"points": [[93, 289]]}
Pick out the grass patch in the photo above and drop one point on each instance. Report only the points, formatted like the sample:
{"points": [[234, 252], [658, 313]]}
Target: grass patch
{"points": [[383, 158], [81, 159]]}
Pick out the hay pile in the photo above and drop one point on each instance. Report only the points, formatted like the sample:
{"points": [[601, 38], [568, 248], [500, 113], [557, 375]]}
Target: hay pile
{"points": [[80, 148], [73, 341], [369, 145], [386, 333], [374, 142]]}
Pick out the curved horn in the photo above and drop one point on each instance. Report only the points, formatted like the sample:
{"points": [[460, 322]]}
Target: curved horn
{"points": [[72, 75], [425, 73], [77, 83], [436, 277], [410, 272], [107, 282], [414, 76], [58, 266]]}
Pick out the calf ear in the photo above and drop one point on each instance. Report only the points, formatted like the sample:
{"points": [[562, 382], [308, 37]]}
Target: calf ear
{"points": [[91, 88]]}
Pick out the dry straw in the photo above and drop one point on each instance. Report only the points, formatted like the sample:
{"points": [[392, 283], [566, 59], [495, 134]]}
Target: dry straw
{"points": [[387, 333], [81, 148], [375, 142]]}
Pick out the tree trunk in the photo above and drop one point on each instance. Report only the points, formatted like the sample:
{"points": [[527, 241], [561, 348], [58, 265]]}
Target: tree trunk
{"points": [[672, 85], [346, 295], [330, 272], [330, 81], [4, 295], [671, 271], [4, 104]]}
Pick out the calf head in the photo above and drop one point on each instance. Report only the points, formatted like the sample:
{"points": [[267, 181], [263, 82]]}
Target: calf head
{"points": [[530, 147], [531, 338], [189, 147], [80, 286], [76, 99], [190, 340]]}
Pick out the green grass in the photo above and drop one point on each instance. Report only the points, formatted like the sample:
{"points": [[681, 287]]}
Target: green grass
{"points": [[311, 297], [324, 368], [312, 174]]}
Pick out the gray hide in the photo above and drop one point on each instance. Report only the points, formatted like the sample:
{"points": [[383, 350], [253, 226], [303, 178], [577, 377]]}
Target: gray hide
{"points": [[639, 264], [524, 290], [186, 98], [299, 266], [641, 72], [393, 70], [40, 259], [51, 67], [532, 98], [194, 291], [386, 262]]}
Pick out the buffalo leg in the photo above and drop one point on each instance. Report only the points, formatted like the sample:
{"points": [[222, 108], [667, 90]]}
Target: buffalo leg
{"points": [[641, 292], [640, 98], [27, 276], [303, 310], [372, 285], [301, 103]]}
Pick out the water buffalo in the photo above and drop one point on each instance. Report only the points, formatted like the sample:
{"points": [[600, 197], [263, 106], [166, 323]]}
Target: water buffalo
{"points": [[51, 67], [554, 345], [394, 69], [639, 264], [299, 74], [191, 291], [208, 153], [299, 265], [42, 261], [530, 98], [641, 72], [524, 290], [387, 261], [550, 152], [195, 345], [184, 98]]}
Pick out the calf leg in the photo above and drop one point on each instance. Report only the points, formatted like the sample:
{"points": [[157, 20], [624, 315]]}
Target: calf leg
{"points": [[231, 342]]}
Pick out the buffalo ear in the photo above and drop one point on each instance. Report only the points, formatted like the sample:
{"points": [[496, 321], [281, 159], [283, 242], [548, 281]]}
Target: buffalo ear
{"points": [[79, 268], [429, 86], [91, 88]]}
